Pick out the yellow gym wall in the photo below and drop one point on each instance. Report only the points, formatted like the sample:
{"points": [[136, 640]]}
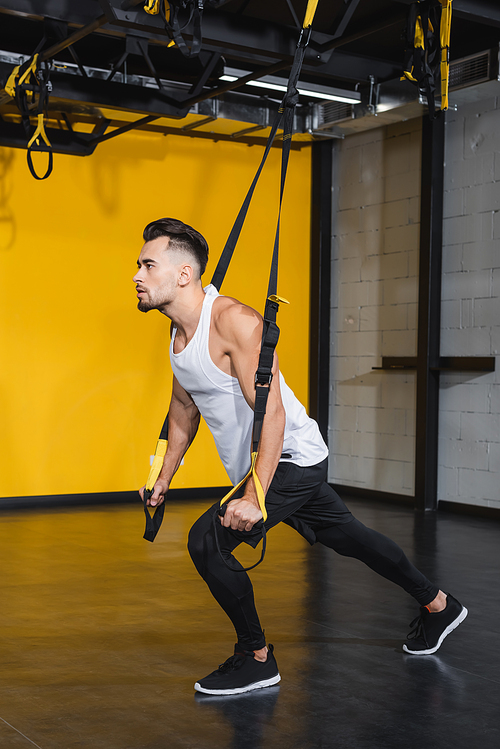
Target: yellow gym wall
{"points": [[85, 377]]}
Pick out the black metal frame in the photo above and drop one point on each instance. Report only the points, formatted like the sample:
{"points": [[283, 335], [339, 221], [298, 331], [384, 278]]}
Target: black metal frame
{"points": [[261, 45], [429, 313], [320, 283]]}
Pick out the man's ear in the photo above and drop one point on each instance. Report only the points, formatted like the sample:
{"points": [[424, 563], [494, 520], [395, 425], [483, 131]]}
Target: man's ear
{"points": [[186, 273]]}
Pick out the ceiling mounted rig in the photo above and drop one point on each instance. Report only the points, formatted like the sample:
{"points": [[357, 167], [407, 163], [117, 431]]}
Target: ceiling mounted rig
{"points": [[203, 68]]}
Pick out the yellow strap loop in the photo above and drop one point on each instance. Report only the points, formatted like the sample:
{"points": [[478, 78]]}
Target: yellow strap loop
{"points": [[161, 449], [40, 131], [310, 11], [258, 486]]}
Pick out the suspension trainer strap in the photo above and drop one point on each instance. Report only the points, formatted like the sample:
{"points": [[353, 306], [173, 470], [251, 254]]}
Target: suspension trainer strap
{"points": [[270, 331], [27, 82], [445, 33], [428, 49], [153, 523], [169, 12]]}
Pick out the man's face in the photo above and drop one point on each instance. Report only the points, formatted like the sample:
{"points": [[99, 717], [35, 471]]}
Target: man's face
{"points": [[156, 277]]}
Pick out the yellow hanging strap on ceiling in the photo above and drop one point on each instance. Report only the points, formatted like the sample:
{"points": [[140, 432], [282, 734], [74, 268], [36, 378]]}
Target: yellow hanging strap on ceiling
{"points": [[25, 84], [310, 11], [445, 33], [152, 7], [12, 82]]}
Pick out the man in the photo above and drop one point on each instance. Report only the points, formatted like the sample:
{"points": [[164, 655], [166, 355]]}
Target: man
{"points": [[214, 351]]}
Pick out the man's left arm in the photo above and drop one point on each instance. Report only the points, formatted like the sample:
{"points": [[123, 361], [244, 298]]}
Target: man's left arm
{"points": [[243, 328]]}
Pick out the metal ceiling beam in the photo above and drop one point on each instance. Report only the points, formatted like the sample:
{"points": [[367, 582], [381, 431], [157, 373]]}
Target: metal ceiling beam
{"points": [[13, 135], [478, 11], [389, 21], [353, 68], [100, 93], [245, 39], [72, 38], [221, 30], [82, 12], [344, 17]]}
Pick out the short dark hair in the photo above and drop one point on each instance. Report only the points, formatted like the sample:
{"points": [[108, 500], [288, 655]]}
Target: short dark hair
{"points": [[181, 236]]}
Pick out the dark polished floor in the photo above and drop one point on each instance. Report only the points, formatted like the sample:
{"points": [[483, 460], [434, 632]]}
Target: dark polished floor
{"points": [[103, 635]]}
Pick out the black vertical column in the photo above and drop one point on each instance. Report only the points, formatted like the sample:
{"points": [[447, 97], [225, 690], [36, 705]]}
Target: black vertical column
{"points": [[321, 238], [429, 313]]}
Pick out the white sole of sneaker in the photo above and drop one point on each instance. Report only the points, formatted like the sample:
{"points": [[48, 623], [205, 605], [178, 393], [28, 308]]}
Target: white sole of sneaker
{"points": [[444, 634], [240, 690]]}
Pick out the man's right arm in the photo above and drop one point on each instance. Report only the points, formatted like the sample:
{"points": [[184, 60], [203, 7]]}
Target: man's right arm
{"points": [[183, 421]]}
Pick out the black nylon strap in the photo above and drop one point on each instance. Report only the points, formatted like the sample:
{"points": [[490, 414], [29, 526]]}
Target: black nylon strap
{"points": [[285, 112], [270, 331], [164, 430], [227, 252]]}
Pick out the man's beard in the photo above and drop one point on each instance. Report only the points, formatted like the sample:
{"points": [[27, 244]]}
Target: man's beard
{"points": [[155, 300], [145, 306]]}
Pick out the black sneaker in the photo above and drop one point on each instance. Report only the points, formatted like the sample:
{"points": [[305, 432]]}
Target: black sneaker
{"points": [[241, 673], [429, 630]]}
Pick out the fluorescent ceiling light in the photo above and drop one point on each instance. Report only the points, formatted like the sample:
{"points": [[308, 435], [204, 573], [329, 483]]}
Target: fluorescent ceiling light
{"points": [[313, 90]]}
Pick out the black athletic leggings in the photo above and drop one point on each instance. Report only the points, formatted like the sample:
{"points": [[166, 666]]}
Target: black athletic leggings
{"points": [[321, 517]]}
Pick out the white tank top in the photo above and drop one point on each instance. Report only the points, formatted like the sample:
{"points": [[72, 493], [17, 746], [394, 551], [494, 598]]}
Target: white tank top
{"points": [[220, 401]]}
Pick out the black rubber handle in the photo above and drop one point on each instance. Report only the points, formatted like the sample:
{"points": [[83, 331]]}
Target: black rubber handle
{"points": [[49, 165], [220, 512], [152, 523]]}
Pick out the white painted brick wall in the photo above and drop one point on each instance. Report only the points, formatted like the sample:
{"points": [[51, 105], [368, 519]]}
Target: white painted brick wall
{"points": [[374, 310], [469, 421]]}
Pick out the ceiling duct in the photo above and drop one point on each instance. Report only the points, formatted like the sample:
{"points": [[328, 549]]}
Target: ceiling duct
{"points": [[381, 104], [472, 70], [333, 112], [472, 79], [475, 78]]}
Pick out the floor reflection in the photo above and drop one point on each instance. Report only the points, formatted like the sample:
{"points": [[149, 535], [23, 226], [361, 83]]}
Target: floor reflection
{"points": [[247, 714]]}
